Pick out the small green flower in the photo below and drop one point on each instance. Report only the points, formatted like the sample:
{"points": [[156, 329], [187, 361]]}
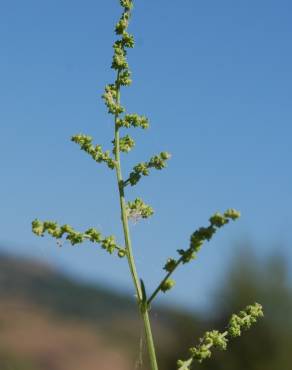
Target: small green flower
{"points": [[127, 4], [38, 227], [133, 120], [216, 339], [200, 353], [75, 237], [126, 144], [110, 99], [233, 214], [119, 58], [187, 255], [96, 152], [159, 161], [122, 253], [93, 235], [123, 23], [138, 209], [170, 265], [128, 40], [109, 244], [124, 78], [142, 169], [218, 220], [167, 285], [244, 319]]}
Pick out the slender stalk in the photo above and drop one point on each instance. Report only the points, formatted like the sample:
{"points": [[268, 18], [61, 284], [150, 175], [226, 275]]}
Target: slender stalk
{"points": [[128, 244], [187, 364], [149, 340]]}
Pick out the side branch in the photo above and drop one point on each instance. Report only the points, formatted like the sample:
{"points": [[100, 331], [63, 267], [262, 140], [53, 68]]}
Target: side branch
{"points": [[244, 320], [197, 240], [96, 152], [75, 237], [142, 169]]}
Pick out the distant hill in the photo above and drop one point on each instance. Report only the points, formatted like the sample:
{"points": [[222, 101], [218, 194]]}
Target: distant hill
{"points": [[46, 287], [49, 322]]}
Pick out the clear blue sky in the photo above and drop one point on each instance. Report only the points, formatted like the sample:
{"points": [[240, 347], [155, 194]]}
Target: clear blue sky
{"points": [[215, 79]]}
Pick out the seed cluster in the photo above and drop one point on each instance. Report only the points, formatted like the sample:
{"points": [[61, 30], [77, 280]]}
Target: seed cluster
{"points": [[57, 231], [214, 339], [96, 152], [142, 169], [200, 236], [138, 209]]}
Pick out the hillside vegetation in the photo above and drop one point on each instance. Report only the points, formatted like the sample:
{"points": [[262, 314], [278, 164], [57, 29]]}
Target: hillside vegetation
{"points": [[48, 322]]}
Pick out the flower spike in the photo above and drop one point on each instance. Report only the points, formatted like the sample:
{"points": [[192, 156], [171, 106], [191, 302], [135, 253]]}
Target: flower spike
{"points": [[85, 143], [75, 237], [142, 169], [214, 339]]}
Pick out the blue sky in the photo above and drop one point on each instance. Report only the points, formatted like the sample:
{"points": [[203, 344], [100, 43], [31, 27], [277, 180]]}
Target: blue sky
{"points": [[214, 78]]}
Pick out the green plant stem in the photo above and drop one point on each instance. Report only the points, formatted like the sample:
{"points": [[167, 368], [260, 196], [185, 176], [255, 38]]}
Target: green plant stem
{"points": [[186, 365], [125, 220], [149, 340], [130, 257]]}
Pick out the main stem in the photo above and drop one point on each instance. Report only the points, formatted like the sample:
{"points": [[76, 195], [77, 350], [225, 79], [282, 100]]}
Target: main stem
{"points": [[128, 244]]}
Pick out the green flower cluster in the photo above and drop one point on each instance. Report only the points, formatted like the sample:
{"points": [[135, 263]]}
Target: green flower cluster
{"points": [[75, 237], [124, 78], [215, 339], [119, 58], [127, 4], [96, 152], [142, 169], [211, 339], [133, 120], [197, 240], [167, 285], [170, 265], [138, 209], [206, 233], [126, 144], [111, 95], [110, 99], [244, 319], [119, 62]]}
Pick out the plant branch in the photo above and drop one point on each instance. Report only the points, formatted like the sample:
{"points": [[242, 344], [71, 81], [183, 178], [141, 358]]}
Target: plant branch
{"points": [[197, 239], [244, 320]]}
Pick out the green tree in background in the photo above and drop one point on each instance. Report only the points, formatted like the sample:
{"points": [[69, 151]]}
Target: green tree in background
{"points": [[269, 347]]}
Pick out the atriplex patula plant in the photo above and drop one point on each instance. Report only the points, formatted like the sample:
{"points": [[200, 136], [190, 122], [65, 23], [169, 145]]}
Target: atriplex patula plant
{"points": [[138, 209]]}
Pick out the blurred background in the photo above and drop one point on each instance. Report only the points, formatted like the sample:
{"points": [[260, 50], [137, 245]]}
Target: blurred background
{"points": [[215, 80]]}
